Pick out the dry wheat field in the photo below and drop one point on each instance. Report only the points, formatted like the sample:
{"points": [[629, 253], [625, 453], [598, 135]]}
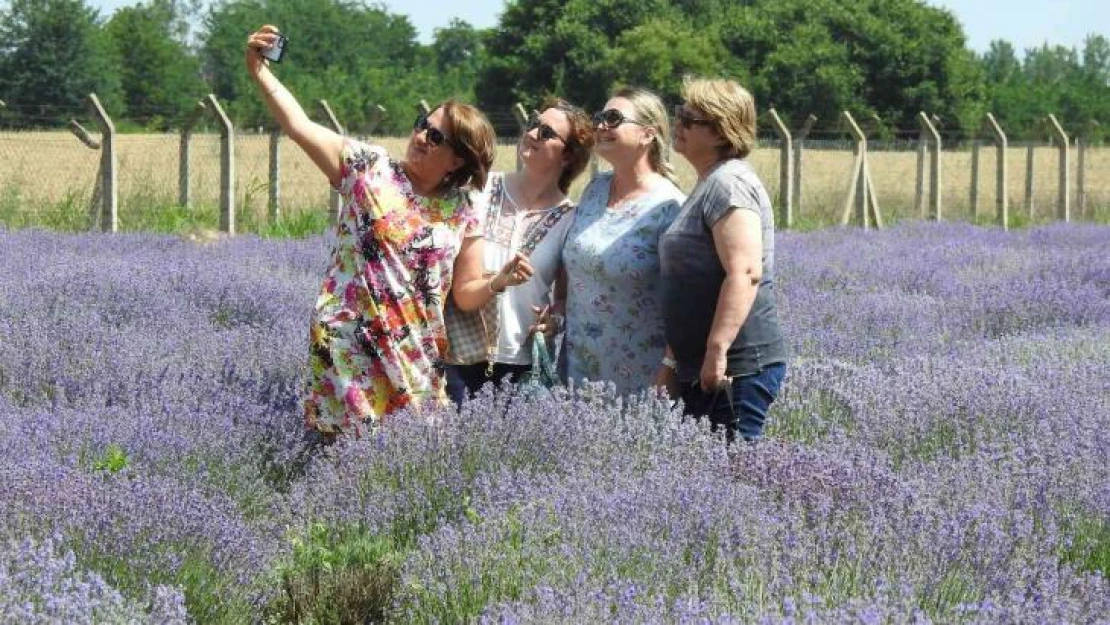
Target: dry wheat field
{"points": [[42, 171]]}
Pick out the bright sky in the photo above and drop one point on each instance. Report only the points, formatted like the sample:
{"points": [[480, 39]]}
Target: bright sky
{"points": [[1024, 23]]}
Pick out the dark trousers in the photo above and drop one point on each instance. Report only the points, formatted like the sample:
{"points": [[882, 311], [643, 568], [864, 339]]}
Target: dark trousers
{"points": [[464, 381], [739, 407]]}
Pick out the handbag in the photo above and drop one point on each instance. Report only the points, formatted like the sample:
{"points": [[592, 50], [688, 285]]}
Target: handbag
{"points": [[541, 377]]}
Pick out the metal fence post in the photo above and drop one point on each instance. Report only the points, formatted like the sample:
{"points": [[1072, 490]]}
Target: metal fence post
{"points": [[1001, 145], [227, 165], [786, 170]]}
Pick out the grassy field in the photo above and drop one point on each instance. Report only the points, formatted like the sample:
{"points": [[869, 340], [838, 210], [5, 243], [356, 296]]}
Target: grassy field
{"points": [[47, 179]]}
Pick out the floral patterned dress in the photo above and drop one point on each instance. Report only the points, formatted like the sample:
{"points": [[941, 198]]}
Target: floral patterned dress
{"points": [[614, 323], [377, 329]]}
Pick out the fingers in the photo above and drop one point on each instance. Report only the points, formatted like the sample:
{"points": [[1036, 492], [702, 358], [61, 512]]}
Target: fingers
{"points": [[264, 37]]}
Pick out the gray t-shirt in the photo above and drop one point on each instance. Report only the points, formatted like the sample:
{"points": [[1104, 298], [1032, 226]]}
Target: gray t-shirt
{"points": [[692, 275]]}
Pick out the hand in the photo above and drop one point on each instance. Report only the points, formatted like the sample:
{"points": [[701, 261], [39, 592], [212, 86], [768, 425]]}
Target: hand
{"points": [[547, 322], [515, 272], [713, 378], [259, 40], [666, 379]]}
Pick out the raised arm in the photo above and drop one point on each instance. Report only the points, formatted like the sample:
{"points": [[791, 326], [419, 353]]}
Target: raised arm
{"points": [[323, 145]]}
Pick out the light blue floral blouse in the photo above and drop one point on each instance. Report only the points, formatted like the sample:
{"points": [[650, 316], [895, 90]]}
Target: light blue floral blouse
{"points": [[614, 324]]}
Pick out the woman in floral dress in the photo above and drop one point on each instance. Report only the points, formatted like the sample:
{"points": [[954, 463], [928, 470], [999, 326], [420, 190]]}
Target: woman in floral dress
{"points": [[408, 237], [614, 322]]}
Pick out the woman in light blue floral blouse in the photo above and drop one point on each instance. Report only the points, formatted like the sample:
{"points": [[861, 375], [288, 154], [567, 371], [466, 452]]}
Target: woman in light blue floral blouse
{"points": [[614, 328]]}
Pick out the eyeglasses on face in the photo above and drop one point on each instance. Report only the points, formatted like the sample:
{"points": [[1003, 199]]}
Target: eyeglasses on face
{"points": [[544, 132], [435, 136], [687, 118], [612, 118]]}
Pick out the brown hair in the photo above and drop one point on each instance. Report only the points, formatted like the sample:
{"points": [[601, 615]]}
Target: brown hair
{"points": [[473, 140], [579, 142], [729, 106], [650, 110]]}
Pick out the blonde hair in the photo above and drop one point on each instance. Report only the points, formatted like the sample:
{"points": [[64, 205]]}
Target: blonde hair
{"points": [[473, 140], [650, 111], [729, 106]]}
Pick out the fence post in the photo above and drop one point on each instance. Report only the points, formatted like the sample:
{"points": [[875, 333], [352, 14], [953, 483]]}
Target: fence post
{"points": [[1029, 204], [521, 118], [423, 108], [799, 141], [334, 201], [274, 200], [1063, 193], [184, 196], [227, 165], [919, 188], [861, 194], [108, 217], [976, 144], [1082, 142], [929, 130], [1001, 189], [786, 170]]}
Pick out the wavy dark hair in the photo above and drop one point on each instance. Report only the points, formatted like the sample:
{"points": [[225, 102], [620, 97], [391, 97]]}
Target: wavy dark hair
{"points": [[579, 142]]}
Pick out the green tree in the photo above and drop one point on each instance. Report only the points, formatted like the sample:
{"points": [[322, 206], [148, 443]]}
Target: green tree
{"points": [[53, 54], [160, 75]]}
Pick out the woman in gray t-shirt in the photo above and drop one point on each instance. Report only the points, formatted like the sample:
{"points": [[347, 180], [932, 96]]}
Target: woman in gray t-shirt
{"points": [[725, 346]]}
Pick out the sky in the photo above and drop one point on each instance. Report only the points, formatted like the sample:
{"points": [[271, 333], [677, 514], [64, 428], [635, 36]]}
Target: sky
{"points": [[1024, 23]]}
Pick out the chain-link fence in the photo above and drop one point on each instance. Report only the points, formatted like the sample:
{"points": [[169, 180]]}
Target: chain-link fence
{"points": [[51, 178]]}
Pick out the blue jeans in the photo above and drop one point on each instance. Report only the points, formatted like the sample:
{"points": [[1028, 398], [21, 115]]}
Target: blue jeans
{"points": [[740, 406], [464, 381]]}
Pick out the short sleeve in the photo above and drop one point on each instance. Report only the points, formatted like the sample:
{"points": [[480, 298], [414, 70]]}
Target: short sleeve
{"points": [[723, 194], [357, 158]]}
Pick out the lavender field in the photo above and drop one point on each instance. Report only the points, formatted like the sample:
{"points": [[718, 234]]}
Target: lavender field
{"points": [[939, 453]]}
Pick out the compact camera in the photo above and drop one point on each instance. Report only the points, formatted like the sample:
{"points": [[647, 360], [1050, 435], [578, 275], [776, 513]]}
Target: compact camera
{"points": [[275, 52]]}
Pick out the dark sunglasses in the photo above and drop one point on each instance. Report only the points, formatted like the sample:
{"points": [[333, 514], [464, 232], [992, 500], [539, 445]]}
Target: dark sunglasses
{"points": [[435, 136], [545, 132], [611, 118], [683, 116]]}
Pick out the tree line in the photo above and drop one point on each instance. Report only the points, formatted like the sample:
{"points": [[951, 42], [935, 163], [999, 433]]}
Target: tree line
{"points": [[883, 60]]}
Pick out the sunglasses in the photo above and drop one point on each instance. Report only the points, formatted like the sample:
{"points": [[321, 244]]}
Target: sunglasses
{"points": [[544, 132], [435, 136], [683, 116], [611, 118]]}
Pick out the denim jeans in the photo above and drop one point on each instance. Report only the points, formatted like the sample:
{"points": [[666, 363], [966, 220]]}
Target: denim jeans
{"points": [[740, 406], [464, 381]]}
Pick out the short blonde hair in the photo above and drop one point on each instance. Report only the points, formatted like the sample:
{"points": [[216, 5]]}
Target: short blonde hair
{"points": [[473, 139], [649, 110], [729, 106]]}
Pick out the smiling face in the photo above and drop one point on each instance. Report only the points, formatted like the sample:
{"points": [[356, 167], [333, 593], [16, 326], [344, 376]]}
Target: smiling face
{"points": [[537, 152], [424, 156], [629, 136]]}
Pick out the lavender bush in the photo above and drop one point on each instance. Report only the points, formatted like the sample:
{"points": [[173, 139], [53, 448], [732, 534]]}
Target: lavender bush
{"points": [[937, 455]]}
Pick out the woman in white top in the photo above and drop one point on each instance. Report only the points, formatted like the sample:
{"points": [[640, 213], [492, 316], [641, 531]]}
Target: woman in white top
{"points": [[527, 219]]}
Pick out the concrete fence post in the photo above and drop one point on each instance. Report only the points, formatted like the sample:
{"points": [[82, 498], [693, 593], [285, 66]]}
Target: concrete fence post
{"points": [[184, 194], [976, 146], [521, 118], [1030, 208], [108, 218], [786, 170], [273, 204], [861, 200], [930, 131], [1002, 200], [423, 108], [1082, 143], [1063, 193], [227, 165], [334, 201], [799, 143]]}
